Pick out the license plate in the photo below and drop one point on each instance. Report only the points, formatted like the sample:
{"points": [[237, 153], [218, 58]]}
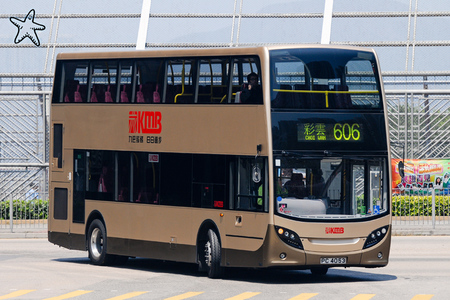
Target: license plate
{"points": [[333, 260]]}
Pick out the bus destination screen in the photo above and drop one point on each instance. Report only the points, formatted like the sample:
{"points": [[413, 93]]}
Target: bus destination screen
{"points": [[330, 132]]}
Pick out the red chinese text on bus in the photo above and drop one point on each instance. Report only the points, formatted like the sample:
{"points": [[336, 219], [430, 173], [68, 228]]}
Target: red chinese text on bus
{"points": [[146, 122], [334, 230]]}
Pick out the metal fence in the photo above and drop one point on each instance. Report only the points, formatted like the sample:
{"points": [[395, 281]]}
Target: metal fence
{"points": [[24, 152], [419, 114], [404, 35], [421, 208]]}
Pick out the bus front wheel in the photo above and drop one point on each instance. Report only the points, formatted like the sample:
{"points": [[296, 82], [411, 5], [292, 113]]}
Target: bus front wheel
{"points": [[97, 244], [212, 253]]}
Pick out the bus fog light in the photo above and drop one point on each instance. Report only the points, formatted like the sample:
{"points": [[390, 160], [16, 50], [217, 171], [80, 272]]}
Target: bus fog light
{"points": [[283, 256], [380, 255]]}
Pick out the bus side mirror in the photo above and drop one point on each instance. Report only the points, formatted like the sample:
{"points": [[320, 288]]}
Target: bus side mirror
{"points": [[401, 169]]}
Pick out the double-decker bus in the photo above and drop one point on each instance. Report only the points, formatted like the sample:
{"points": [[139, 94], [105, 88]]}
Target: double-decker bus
{"points": [[229, 157]]}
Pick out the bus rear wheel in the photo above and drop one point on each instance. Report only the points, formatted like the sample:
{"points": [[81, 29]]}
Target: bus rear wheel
{"points": [[212, 254], [97, 244]]}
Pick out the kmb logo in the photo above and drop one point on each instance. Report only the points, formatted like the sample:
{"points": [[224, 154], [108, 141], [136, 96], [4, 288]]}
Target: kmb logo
{"points": [[334, 230], [147, 122]]}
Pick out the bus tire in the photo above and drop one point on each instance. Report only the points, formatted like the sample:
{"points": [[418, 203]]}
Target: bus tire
{"points": [[212, 254], [97, 245]]}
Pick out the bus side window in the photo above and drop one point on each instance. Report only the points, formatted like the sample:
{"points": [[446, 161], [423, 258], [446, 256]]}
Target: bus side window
{"points": [[125, 89], [146, 176], [242, 67], [75, 76], [176, 179], [103, 85], [149, 81], [123, 176], [100, 173], [213, 80], [209, 181], [180, 81], [57, 145]]}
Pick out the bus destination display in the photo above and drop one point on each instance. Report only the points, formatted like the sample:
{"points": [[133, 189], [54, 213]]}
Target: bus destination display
{"points": [[330, 132]]}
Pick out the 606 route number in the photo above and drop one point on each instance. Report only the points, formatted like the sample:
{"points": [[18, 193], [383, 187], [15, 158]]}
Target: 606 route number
{"points": [[347, 132]]}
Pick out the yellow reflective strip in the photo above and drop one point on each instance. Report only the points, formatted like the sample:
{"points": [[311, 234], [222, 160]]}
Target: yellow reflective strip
{"points": [[127, 296], [299, 91], [304, 296], [16, 294], [363, 297], [69, 295], [323, 92], [422, 297], [184, 296], [243, 296]]}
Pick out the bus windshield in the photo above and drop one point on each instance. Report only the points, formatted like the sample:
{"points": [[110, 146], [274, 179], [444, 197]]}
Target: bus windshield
{"points": [[330, 187], [318, 78]]}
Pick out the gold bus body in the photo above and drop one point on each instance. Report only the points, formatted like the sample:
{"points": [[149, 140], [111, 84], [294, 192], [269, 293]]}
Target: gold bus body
{"points": [[248, 239]]}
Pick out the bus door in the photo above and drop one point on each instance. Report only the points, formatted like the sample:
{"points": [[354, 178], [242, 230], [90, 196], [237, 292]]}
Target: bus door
{"points": [[246, 228], [60, 182], [80, 182]]}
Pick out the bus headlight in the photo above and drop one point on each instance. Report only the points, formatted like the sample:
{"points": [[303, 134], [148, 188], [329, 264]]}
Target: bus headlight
{"points": [[289, 237], [375, 237]]}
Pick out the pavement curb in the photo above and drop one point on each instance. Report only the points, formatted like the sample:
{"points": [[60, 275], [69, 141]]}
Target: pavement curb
{"points": [[420, 232], [23, 234]]}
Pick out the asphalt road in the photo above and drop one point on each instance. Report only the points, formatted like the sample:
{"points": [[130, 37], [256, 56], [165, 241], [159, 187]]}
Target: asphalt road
{"points": [[419, 269]]}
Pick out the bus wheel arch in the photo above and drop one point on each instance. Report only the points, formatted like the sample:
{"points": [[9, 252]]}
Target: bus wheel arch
{"points": [[209, 249], [92, 216]]}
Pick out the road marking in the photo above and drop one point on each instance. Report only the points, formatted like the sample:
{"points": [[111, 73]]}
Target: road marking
{"points": [[184, 296], [69, 295], [243, 296], [16, 294], [127, 296], [422, 297], [363, 297], [304, 296]]}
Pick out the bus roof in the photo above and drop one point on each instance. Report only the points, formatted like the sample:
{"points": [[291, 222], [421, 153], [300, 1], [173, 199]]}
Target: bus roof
{"points": [[259, 50]]}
